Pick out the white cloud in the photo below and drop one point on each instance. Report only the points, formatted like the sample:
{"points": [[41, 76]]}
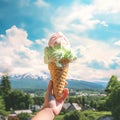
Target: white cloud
{"points": [[75, 17], [104, 23], [79, 17], [107, 6], [17, 37], [41, 3], [75, 20], [117, 43], [81, 72], [18, 53], [42, 42], [97, 50], [17, 56], [91, 50], [15, 53]]}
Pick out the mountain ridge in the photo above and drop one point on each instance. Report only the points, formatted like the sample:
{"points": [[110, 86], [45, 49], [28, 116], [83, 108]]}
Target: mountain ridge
{"points": [[41, 81]]}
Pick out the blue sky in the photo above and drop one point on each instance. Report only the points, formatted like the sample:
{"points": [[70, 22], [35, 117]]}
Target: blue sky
{"points": [[92, 27]]}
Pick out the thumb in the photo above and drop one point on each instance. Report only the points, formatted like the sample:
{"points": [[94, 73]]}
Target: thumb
{"points": [[48, 92], [49, 89]]}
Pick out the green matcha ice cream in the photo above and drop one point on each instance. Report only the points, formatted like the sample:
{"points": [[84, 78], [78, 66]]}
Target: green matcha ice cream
{"points": [[59, 48]]}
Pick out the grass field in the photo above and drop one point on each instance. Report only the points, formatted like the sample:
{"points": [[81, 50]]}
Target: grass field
{"points": [[95, 115]]}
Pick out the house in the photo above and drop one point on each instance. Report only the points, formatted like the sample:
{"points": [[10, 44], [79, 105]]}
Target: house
{"points": [[71, 106], [22, 111], [1, 117], [74, 106], [35, 108], [12, 117], [66, 105]]}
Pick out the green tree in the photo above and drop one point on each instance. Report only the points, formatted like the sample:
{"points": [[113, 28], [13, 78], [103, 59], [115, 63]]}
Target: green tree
{"points": [[116, 112], [83, 101], [113, 98], [24, 116], [101, 105], [28, 100], [93, 103], [2, 106], [16, 99], [114, 102], [5, 86], [78, 100], [71, 99], [111, 84], [38, 100]]}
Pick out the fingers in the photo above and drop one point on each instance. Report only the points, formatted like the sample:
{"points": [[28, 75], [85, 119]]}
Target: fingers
{"points": [[65, 95], [49, 89], [48, 93], [65, 92], [66, 83], [50, 85], [49, 96]]}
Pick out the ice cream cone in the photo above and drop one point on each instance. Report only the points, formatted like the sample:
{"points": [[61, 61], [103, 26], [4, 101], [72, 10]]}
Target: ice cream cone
{"points": [[58, 76], [58, 54]]}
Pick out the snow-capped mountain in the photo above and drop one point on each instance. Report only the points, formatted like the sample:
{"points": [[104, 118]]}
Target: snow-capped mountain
{"points": [[42, 76], [40, 81]]}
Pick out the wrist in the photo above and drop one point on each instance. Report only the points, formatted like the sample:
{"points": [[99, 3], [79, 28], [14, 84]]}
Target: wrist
{"points": [[49, 112]]}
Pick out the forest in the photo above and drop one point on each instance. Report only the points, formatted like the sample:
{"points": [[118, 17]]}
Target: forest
{"points": [[13, 99]]}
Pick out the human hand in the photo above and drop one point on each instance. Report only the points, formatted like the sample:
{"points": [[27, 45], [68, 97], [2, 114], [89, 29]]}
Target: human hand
{"points": [[51, 102]]}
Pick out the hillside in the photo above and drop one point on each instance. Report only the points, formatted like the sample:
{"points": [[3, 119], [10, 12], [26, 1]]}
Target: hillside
{"points": [[80, 84], [38, 82]]}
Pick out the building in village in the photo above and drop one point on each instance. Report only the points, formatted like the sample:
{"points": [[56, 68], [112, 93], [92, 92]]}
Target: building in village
{"points": [[71, 106]]}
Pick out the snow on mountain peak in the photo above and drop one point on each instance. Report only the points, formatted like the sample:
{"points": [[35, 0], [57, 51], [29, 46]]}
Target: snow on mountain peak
{"points": [[42, 76]]}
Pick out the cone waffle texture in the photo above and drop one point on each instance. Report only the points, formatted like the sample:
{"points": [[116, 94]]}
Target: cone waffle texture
{"points": [[58, 76]]}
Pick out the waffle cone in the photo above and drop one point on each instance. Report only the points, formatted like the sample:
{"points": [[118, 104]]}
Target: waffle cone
{"points": [[58, 76]]}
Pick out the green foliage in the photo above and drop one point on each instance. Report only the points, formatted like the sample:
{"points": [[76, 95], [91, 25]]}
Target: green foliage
{"points": [[80, 100], [89, 114], [85, 115], [116, 112], [71, 99], [111, 84], [38, 100], [5, 86], [2, 106], [59, 117], [75, 115], [114, 101], [93, 103], [94, 115], [38, 92], [113, 98], [101, 105], [16, 99], [83, 101], [98, 102], [23, 116]]}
